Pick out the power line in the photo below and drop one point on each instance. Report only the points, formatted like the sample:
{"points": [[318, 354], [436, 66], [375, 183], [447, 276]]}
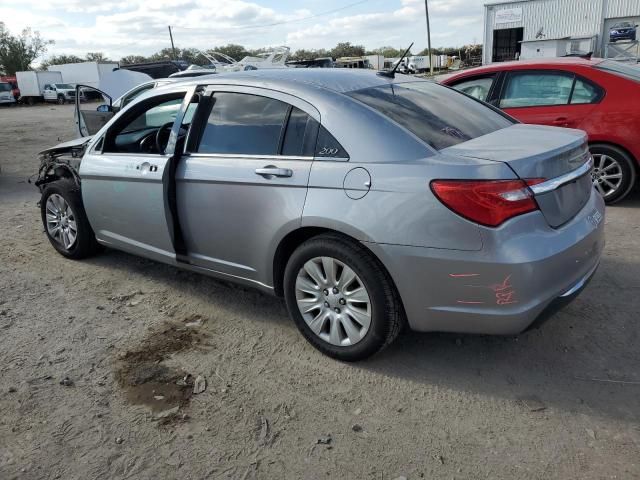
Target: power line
{"points": [[240, 27]]}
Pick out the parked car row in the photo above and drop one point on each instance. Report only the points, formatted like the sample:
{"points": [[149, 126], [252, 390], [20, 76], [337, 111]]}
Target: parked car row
{"points": [[601, 97]]}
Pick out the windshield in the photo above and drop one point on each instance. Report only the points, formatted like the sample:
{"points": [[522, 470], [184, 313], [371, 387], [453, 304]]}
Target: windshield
{"points": [[622, 25], [5, 87], [621, 69], [64, 86], [438, 115]]}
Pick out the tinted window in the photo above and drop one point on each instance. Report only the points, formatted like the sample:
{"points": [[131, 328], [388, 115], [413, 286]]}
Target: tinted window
{"points": [[5, 87], [243, 124], [476, 87], [297, 136], [328, 146], [536, 89], [135, 94], [438, 115], [584, 92]]}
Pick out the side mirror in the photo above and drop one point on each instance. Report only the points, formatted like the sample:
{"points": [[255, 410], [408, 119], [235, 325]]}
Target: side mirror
{"points": [[104, 108]]}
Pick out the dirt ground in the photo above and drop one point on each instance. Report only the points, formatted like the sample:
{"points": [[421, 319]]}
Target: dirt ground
{"points": [[98, 361]]}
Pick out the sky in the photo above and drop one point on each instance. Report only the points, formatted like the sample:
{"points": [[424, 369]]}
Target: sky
{"points": [[124, 27]]}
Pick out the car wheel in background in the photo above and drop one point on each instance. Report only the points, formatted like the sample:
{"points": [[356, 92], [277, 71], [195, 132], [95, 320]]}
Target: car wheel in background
{"points": [[341, 299], [613, 174], [60, 100], [65, 221]]}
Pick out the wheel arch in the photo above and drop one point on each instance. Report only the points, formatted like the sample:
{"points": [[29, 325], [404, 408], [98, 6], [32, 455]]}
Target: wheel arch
{"points": [[604, 143], [295, 238]]}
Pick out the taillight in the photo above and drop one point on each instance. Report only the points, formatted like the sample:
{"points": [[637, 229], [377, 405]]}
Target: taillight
{"points": [[487, 202]]}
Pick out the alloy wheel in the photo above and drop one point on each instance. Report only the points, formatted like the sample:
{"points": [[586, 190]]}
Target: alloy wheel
{"points": [[606, 174], [333, 301], [61, 221]]}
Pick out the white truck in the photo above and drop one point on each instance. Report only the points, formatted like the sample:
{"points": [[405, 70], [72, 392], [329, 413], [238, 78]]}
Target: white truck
{"points": [[32, 84], [84, 73]]}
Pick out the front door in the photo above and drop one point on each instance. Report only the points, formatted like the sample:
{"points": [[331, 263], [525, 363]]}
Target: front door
{"points": [[243, 183], [93, 110], [548, 97], [126, 175]]}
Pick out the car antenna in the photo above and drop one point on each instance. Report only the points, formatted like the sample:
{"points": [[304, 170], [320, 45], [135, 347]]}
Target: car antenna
{"points": [[392, 73]]}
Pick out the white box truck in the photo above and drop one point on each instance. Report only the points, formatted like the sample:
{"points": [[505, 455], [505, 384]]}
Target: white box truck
{"points": [[84, 73], [32, 84]]}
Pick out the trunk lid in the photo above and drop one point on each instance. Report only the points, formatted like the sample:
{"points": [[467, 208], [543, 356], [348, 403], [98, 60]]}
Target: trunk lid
{"points": [[558, 156]]}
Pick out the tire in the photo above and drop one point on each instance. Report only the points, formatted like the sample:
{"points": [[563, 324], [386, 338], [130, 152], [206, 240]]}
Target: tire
{"points": [[85, 244], [60, 100], [384, 307], [604, 157]]}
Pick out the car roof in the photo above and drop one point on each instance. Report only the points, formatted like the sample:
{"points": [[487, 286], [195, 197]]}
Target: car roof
{"points": [[531, 63], [340, 80]]}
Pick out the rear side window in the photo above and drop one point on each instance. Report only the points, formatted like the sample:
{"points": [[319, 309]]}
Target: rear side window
{"points": [[476, 87], [584, 92], [437, 115], [300, 134], [244, 124], [536, 89]]}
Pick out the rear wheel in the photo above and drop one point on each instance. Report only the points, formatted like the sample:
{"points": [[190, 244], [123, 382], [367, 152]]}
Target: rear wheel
{"points": [[614, 172], [341, 299], [65, 221]]}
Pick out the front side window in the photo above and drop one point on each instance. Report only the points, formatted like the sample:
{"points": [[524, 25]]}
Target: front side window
{"points": [[135, 94], [437, 115], [155, 117], [244, 124], [536, 89], [476, 87]]}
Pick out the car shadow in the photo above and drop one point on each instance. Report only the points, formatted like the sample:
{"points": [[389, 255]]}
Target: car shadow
{"points": [[584, 359]]}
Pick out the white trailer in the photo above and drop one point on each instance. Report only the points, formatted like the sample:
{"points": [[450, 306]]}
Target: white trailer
{"points": [[31, 84], [84, 73]]}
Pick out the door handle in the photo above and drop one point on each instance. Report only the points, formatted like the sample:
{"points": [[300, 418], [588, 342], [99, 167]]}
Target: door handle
{"points": [[272, 171], [561, 121]]}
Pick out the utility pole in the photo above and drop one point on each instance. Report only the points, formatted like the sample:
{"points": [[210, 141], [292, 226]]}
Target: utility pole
{"points": [[173, 47], [426, 11]]}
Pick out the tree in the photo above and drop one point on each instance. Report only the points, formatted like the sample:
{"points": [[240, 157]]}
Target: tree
{"points": [[60, 59], [345, 49], [387, 52], [303, 54], [18, 51], [131, 59], [96, 57]]}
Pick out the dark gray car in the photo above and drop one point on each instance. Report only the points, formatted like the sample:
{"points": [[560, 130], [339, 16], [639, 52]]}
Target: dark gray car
{"points": [[368, 202]]}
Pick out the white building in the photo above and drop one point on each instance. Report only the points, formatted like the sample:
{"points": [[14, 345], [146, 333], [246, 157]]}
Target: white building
{"points": [[551, 28]]}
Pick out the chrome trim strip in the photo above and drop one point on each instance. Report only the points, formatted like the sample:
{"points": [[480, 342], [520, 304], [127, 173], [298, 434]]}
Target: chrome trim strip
{"points": [[580, 283], [557, 182], [251, 157]]}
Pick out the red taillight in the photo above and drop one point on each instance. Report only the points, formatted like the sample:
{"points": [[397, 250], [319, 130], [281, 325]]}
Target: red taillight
{"points": [[487, 202]]}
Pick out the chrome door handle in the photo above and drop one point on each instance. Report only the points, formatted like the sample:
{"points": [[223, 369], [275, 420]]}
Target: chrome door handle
{"points": [[273, 171]]}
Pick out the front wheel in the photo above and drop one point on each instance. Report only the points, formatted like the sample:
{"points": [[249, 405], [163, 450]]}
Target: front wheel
{"points": [[341, 299], [60, 100], [65, 221], [614, 172]]}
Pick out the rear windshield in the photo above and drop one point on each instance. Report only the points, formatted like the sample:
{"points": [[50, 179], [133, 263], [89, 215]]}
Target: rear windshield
{"points": [[5, 87], [621, 69], [438, 115]]}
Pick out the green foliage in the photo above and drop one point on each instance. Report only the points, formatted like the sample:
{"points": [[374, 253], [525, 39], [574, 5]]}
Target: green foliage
{"points": [[18, 51], [345, 49]]}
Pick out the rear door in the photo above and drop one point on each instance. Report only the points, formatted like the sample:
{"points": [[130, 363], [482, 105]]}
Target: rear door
{"points": [[93, 110], [548, 97], [242, 183], [126, 180]]}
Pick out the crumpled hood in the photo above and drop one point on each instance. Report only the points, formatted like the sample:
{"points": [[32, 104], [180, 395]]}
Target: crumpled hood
{"points": [[65, 147]]}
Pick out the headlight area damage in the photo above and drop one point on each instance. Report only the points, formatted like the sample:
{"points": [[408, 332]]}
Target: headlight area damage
{"points": [[61, 161]]}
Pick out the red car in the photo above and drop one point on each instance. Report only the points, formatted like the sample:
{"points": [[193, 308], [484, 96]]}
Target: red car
{"points": [[601, 97]]}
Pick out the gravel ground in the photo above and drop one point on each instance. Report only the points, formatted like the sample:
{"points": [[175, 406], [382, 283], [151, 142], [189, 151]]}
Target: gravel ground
{"points": [[91, 351]]}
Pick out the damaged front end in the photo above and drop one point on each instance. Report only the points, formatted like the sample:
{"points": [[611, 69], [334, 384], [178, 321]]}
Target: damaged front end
{"points": [[61, 161]]}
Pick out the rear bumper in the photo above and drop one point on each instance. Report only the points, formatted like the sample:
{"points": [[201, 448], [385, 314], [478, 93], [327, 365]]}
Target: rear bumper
{"points": [[523, 268]]}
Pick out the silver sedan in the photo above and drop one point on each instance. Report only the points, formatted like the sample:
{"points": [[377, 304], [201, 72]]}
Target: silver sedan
{"points": [[368, 202]]}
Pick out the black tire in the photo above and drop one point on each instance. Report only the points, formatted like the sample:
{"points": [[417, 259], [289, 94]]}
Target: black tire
{"points": [[85, 244], [387, 315], [60, 100], [627, 167]]}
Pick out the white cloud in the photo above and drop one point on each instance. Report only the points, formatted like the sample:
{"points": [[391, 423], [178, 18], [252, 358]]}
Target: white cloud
{"points": [[119, 28]]}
